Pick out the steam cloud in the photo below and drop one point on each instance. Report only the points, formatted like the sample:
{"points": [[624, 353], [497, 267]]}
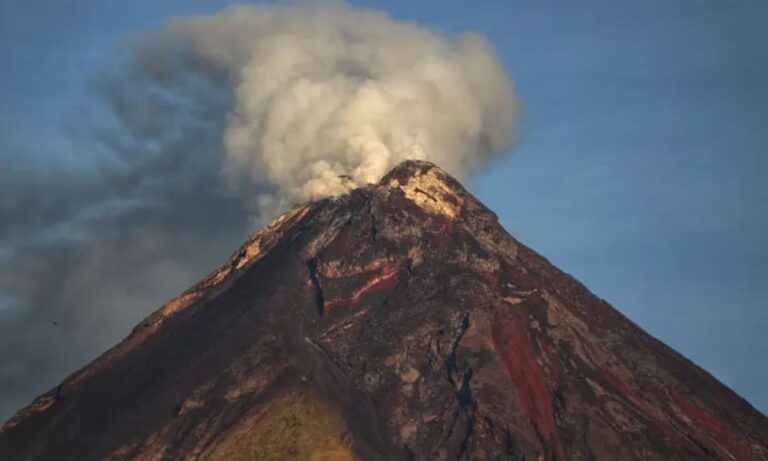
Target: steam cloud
{"points": [[318, 93], [203, 125]]}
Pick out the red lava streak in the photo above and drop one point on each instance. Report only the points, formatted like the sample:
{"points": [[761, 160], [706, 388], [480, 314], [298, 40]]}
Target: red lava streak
{"points": [[387, 278], [514, 345], [710, 424]]}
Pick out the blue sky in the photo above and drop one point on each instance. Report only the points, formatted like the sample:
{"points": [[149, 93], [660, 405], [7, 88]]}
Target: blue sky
{"points": [[640, 165]]}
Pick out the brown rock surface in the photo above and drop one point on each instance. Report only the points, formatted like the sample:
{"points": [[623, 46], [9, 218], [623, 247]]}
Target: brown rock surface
{"points": [[399, 321]]}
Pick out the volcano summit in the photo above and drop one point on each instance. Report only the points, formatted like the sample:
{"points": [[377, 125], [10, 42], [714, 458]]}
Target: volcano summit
{"points": [[398, 321]]}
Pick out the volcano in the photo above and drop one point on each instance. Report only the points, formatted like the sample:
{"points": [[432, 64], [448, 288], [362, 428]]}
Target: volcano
{"points": [[398, 321]]}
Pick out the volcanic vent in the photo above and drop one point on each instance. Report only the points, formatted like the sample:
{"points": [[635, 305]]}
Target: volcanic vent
{"points": [[399, 321]]}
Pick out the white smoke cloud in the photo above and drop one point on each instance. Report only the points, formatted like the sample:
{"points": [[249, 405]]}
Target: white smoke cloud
{"points": [[316, 92]]}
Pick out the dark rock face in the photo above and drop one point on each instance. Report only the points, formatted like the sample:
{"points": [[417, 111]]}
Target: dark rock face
{"points": [[399, 321]]}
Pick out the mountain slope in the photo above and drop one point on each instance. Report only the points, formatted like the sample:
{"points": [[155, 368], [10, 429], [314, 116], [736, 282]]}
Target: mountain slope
{"points": [[399, 321]]}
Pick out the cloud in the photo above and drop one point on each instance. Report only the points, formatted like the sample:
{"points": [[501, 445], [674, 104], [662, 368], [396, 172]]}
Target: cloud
{"points": [[313, 93]]}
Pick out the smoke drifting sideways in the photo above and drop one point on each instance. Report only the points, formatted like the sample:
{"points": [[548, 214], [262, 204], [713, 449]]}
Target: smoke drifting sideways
{"points": [[207, 128], [329, 91]]}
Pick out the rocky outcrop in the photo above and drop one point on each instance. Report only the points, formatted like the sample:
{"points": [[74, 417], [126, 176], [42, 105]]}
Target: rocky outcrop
{"points": [[399, 321]]}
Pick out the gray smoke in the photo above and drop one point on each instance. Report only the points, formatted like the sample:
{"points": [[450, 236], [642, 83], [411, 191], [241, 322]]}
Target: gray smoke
{"points": [[206, 129], [320, 92]]}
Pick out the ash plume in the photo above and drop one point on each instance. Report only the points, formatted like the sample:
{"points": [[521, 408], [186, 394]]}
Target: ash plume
{"points": [[205, 129], [315, 93]]}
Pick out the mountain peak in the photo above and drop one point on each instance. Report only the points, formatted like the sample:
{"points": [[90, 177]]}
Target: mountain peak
{"points": [[408, 169], [428, 186], [398, 321]]}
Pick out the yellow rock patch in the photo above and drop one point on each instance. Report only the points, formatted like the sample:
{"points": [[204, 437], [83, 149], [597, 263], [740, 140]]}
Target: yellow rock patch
{"points": [[254, 245], [298, 425], [429, 191]]}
